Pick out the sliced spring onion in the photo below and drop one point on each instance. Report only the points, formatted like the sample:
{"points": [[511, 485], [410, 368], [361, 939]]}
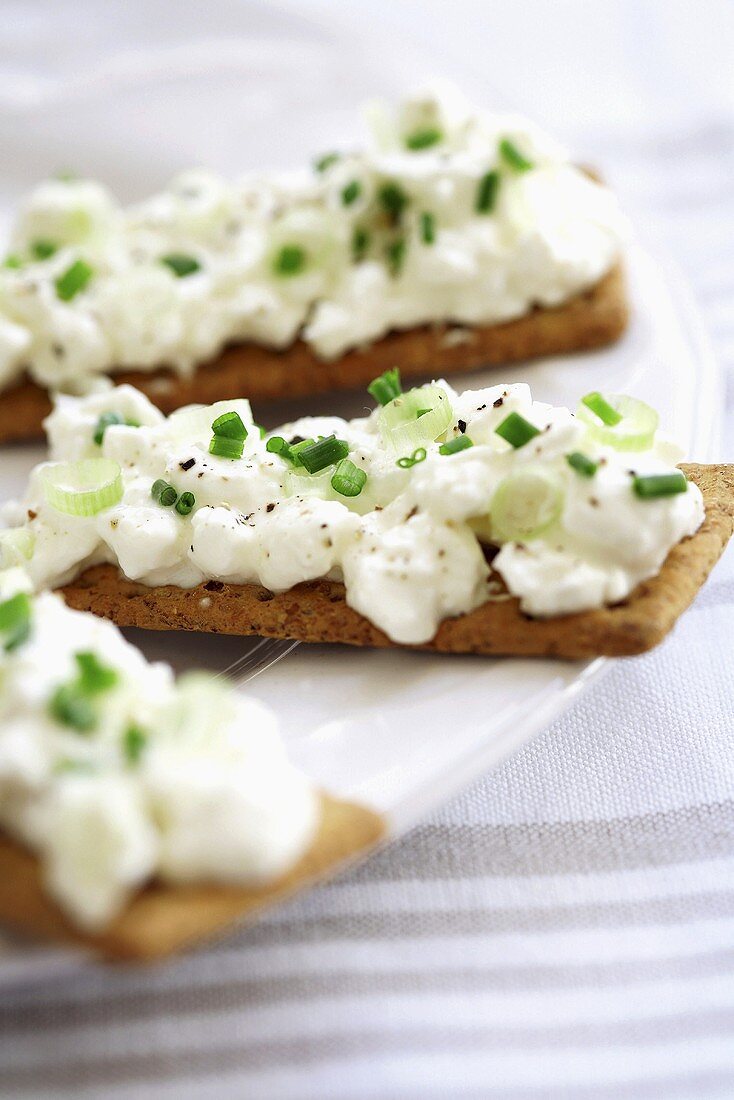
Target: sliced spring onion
{"points": [[525, 504], [16, 547], [229, 425], [326, 161], [351, 192], [650, 486], [633, 431], [82, 488], [73, 280], [168, 497], [386, 387], [226, 448], [423, 139], [290, 260], [298, 482], [408, 461], [395, 255], [453, 446], [14, 262], [360, 244], [277, 445], [42, 249], [193, 424], [513, 158], [348, 479], [428, 227], [94, 677], [601, 408], [393, 201], [15, 620], [134, 742], [181, 264], [487, 192], [185, 504], [325, 452], [402, 429], [71, 707], [582, 464], [157, 488], [516, 430]]}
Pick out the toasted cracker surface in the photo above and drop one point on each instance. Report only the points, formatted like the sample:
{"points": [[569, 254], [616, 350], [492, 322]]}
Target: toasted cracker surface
{"points": [[164, 919], [317, 611], [593, 319]]}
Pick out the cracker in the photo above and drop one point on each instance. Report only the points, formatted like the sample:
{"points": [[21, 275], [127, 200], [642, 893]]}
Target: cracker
{"points": [[590, 320], [317, 611], [162, 919]]}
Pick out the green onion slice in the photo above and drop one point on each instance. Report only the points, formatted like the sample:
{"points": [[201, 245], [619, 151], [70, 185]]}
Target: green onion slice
{"points": [[134, 742], [157, 488], [428, 227], [325, 452], [16, 547], [632, 427], [513, 158], [516, 430], [395, 255], [168, 497], [408, 461], [15, 620], [70, 706], [393, 201], [326, 161], [229, 425], [487, 193], [453, 446], [14, 262], [386, 387], [582, 464], [193, 424], [82, 488], [290, 260], [73, 280], [651, 486], [360, 244], [403, 430], [423, 139], [348, 479], [525, 504], [181, 264], [351, 192], [185, 504], [94, 677], [43, 250], [224, 447]]}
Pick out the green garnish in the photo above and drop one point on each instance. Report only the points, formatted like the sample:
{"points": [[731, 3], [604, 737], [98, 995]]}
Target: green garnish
{"points": [[487, 192], [134, 742], [157, 488], [15, 620], [419, 455], [423, 139], [393, 201], [348, 479], [13, 261], [360, 243], [42, 249], [387, 387], [516, 430], [428, 227], [180, 264], [395, 254], [351, 192], [650, 486], [326, 161], [291, 260], [71, 707], [94, 677], [168, 496], [225, 447], [453, 446], [108, 420], [601, 408], [582, 464], [73, 280], [325, 452], [230, 426], [185, 504], [513, 158], [279, 446]]}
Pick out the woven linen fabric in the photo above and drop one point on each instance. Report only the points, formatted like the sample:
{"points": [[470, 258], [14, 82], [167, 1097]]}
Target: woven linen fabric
{"points": [[564, 930]]}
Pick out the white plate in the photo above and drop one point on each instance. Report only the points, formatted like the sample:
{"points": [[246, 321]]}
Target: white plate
{"points": [[400, 731]]}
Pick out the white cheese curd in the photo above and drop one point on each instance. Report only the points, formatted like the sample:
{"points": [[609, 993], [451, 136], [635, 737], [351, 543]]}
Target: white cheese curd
{"points": [[433, 221], [134, 776], [411, 543]]}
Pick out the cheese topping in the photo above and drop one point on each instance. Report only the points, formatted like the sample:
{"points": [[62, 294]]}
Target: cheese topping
{"points": [[436, 483], [448, 215], [115, 774]]}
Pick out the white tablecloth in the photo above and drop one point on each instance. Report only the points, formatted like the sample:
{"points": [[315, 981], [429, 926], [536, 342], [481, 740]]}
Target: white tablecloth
{"points": [[566, 927]]}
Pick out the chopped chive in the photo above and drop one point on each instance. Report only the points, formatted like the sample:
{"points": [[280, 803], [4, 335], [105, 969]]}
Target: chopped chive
{"points": [[71, 707], [291, 260], [453, 446], [387, 387], [515, 429], [395, 254], [582, 464], [351, 192], [393, 201], [513, 158], [601, 408], [43, 250], [230, 425], [348, 479], [15, 621], [180, 264], [279, 446], [13, 261], [650, 486], [487, 192], [428, 227], [185, 504], [360, 243], [73, 280], [423, 139], [168, 497], [106, 421], [325, 452], [326, 161], [94, 677], [157, 488], [226, 448], [417, 456], [133, 743], [422, 412]]}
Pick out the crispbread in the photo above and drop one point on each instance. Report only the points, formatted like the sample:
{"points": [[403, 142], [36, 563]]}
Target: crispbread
{"points": [[591, 320], [164, 919], [317, 611]]}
